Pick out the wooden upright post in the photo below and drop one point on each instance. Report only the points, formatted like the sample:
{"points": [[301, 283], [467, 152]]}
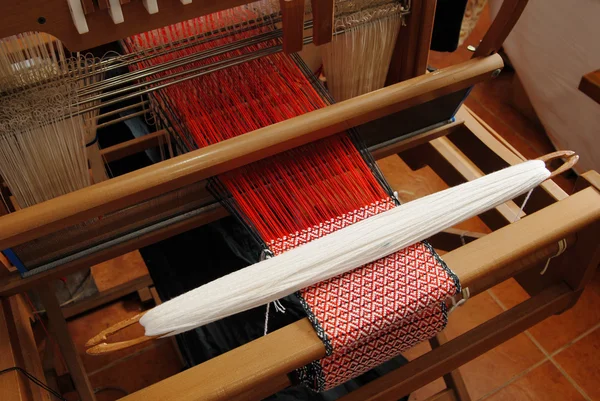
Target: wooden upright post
{"points": [[58, 327]]}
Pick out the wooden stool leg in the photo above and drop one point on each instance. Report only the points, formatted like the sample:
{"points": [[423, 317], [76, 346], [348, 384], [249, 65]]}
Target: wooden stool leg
{"points": [[453, 379], [58, 327]]}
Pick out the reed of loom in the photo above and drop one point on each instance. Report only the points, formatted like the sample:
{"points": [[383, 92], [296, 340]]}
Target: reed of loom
{"points": [[520, 249]]}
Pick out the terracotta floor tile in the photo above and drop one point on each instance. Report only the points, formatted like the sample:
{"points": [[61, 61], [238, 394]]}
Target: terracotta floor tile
{"points": [[580, 361], [500, 364], [86, 326], [431, 389], [557, 331], [544, 383], [141, 370], [510, 293]]}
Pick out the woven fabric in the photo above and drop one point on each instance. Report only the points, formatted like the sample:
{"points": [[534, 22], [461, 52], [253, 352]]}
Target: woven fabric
{"points": [[371, 314]]}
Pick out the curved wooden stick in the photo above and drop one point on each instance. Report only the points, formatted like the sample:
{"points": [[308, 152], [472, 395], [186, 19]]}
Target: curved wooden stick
{"points": [[99, 345], [572, 159]]}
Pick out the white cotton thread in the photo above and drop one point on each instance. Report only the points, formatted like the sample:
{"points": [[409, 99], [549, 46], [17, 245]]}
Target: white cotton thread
{"points": [[342, 251], [562, 246], [465, 295], [518, 215]]}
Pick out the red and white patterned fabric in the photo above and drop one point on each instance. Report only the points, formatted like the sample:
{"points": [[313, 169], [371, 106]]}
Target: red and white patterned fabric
{"points": [[371, 314]]}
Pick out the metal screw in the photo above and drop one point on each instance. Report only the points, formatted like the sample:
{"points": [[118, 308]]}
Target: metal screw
{"points": [[471, 48], [496, 73]]}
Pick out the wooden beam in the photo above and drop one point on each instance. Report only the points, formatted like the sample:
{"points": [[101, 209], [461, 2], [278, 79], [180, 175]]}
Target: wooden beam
{"points": [[292, 14], [444, 395], [58, 327], [322, 15], [107, 296], [128, 189], [590, 85], [133, 146], [453, 238], [464, 348], [242, 369], [14, 284], [388, 149]]}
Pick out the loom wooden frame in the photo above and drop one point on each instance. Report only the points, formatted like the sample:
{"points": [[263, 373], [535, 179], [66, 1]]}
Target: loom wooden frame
{"points": [[462, 151]]}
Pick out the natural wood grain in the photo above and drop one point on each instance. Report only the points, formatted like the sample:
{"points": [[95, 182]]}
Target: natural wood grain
{"points": [[470, 172], [292, 15], [195, 166], [58, 327], [387, 149], [133, 146], [453, 379], [104, 297], [32, 363], [505, 20], [403, 58], [322, 15], [590, 85], [424, 39], [13, 385], [242, 369]]}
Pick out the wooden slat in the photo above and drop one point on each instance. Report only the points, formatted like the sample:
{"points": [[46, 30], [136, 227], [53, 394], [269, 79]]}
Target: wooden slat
{"points": [[590, 85], [140, 185], [505, 20], [409, 143], [107, 296], [498, 145], [464, 348], [58, 327], [133, 146], [292, 14], [471, 172], [322, 15]]}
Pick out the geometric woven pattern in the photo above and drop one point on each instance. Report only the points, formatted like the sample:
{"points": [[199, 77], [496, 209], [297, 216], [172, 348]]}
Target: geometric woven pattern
{"points": [[371, 314]]}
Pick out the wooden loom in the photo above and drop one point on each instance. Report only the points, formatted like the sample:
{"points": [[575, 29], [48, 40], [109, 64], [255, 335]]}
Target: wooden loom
{"points": [[457, 151]]}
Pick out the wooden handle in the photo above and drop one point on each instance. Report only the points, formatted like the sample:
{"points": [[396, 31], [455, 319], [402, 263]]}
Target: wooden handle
{"points": [[129, 189]]}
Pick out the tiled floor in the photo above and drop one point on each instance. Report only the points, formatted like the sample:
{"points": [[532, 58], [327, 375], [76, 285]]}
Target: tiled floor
{"points": [[555, 360]]}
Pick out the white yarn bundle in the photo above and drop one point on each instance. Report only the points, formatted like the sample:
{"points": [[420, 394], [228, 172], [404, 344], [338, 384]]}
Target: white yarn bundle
{"points": [[341, 251]]}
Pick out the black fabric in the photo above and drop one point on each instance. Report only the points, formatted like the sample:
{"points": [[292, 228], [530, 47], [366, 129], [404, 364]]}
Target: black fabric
{"points": [[189, 260], [446, 26]]}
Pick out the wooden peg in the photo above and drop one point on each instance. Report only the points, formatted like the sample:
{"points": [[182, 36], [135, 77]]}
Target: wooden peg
{"points": [[322, 13], [293, 25]]}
